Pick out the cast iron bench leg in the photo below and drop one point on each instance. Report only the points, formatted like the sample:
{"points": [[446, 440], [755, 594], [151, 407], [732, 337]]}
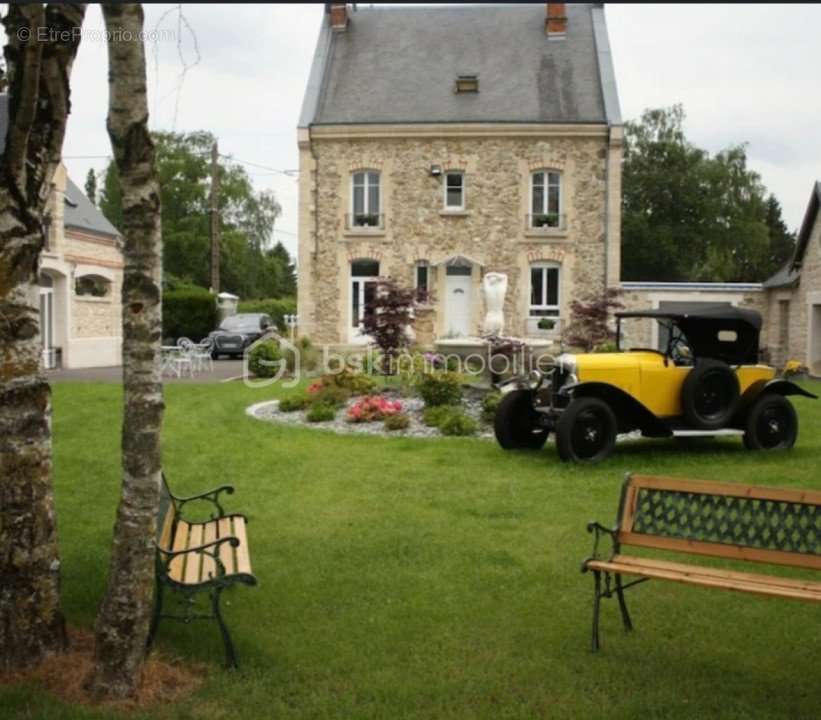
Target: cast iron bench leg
{"points": [[155, 618], [625, 616], [230, 655], [596, 604]]}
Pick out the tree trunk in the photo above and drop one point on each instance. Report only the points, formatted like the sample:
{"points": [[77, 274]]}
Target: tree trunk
{"points": [[38, 63], [123, 618]]}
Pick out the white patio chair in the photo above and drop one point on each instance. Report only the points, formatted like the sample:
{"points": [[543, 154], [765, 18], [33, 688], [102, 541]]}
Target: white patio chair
{"points": [[202, 354], [186, 356]]}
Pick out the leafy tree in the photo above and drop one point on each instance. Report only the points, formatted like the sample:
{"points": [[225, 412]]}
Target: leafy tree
{"points": [[249, 266], [590, 326], [91, 186], [692, 216], [388, 318], [782, 241], [110, 200]]}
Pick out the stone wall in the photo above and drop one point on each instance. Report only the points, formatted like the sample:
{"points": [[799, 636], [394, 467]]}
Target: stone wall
{"points": [[490, 231], [804, 334]]}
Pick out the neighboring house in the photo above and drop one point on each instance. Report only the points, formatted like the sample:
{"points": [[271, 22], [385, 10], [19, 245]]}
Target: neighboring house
{"points": [[441, 143], [81, 272], [794, 295]]}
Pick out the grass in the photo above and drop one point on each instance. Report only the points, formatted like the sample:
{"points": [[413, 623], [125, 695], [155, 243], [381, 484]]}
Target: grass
{"points": [[404, 578]]}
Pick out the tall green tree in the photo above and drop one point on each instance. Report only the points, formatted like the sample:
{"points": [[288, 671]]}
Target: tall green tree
{"points": [[690, 216], [782, 241], [91, 186], [248, 265]]}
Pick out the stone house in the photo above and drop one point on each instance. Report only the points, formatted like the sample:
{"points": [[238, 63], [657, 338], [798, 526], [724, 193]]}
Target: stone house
{"points": [[81, 272], [794, 296], [438, 144]]}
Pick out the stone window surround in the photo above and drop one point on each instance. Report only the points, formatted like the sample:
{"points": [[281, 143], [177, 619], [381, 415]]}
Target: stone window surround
{"points": [[366, 164], [454, 209]]}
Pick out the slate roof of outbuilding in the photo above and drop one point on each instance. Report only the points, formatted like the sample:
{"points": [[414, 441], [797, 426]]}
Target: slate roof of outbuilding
{"points": [[399, 65], [789, 275]]}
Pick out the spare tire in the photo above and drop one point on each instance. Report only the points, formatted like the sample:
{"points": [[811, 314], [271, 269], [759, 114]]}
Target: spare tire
{"points": [[709, 396]]}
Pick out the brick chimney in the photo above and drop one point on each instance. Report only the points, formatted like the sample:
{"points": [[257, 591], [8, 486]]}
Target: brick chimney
{"points": [[339, 16], [555, 24]]}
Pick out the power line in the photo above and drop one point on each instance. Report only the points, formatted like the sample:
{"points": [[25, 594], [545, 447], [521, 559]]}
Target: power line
{"points": [[288, 173]]}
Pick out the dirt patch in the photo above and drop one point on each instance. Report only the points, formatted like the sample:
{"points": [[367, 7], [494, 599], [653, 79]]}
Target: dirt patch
{"points": [[164, 680]]}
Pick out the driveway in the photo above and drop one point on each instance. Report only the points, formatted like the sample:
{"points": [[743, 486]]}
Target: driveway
{"points": [[223, 370]]}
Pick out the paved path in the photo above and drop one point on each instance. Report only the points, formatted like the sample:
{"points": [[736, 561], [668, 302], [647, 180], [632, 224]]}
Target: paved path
{"points": [[223, 369]]}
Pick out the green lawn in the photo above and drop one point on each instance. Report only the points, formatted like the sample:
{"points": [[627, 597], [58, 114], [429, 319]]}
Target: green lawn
{"points": [[431, 579]]}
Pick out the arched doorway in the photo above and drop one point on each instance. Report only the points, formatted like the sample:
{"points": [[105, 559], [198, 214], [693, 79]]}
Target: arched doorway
{"points": [[364, 276]]}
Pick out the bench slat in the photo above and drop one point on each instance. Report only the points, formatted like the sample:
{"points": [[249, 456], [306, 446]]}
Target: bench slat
{"points": [[642, 562], [226, 551], [243, 559], [209, 567], [690, 574], [193, 560], [176, 568]]}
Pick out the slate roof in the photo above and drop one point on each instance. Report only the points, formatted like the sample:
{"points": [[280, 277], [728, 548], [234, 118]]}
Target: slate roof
{"points": [[789, 275], [82, 215], [399, 65]]}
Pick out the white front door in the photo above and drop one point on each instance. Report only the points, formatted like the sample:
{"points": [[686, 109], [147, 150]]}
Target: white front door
{"points": [[362, 293], [457, 305]]}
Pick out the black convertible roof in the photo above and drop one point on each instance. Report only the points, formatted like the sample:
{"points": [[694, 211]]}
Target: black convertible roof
{"points": [[700, 311]]}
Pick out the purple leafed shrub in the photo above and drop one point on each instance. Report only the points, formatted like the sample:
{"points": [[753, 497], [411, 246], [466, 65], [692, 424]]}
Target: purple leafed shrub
{"points": [[590, 327]]}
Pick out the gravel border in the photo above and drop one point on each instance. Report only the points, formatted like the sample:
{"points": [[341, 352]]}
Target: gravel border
{"points": [[471, 404]]}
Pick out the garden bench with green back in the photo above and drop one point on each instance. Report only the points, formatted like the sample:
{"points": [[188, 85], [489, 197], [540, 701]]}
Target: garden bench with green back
{"points": [[780, 527], [194, 558]]}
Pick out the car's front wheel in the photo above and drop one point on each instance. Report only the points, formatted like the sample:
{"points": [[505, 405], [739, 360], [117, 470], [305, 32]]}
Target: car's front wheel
{"points": [[516, 422], [586, 431], [771, 424]]}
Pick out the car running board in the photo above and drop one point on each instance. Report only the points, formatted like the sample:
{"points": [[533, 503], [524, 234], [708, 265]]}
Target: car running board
{"points": [[723, 432]]}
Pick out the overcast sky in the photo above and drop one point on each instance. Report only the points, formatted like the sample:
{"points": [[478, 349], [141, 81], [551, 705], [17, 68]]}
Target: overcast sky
{"points": [[744, 73]]}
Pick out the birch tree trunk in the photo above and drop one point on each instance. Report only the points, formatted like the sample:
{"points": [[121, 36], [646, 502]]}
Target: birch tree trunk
{"points": [[123, 618], [41, 46]]}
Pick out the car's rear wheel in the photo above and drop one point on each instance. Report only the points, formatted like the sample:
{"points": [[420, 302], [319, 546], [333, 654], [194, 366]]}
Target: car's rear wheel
{"points": [[516, 423], [771, 424], [586, 431], [710, 394]]}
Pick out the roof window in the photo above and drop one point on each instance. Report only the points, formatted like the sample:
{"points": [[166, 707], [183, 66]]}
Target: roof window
{"points": [[467, 84]]}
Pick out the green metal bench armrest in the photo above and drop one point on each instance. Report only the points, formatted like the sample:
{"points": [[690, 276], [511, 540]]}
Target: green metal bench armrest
{"points": [[598, 531], [211, 496]]}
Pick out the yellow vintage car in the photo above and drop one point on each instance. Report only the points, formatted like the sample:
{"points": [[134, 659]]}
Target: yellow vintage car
{"points": [[706, 381]]}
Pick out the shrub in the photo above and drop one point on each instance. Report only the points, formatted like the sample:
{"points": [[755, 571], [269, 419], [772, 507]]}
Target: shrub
{"points": [[189, 312], [489, 406], [433, 415], [320, 412], [439, 388], [397, 422], [354, 383], [457, 423], [277, 308], [309, 356], [606, 347], [263, 360], [294, 403], [373, 408], [328, 395], [390, 318]]}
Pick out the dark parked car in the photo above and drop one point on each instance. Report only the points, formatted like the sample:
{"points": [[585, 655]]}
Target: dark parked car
{"points": [[237, 332]]}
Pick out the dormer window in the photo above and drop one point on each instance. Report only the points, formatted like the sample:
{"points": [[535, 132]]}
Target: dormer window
{"points": [[467, 83]]}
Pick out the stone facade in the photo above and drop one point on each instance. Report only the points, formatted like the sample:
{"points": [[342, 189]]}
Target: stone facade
{"points": [[87, 330], [491, 234]]}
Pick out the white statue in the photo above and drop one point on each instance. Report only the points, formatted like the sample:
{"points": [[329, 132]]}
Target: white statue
{"points": [[495, 287]]}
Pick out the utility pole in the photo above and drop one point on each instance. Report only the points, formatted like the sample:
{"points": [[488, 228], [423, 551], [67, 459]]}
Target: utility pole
{"points": [[215, 219]]}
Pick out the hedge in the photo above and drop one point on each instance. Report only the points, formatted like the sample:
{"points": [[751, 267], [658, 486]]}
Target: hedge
{"points": [[190, 313], [277, 308]]}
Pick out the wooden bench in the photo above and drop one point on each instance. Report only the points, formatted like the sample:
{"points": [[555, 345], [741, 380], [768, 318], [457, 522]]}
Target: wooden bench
{"points": [[199, 557], [724, 520]]}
